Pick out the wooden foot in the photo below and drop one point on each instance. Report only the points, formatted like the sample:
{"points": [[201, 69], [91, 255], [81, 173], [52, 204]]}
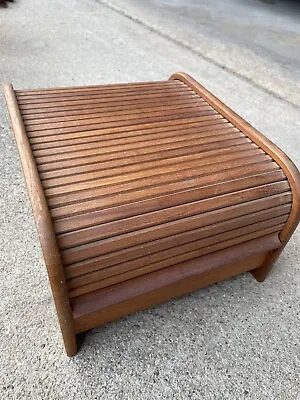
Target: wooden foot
{"points": [[261, 273], [71, 345]]}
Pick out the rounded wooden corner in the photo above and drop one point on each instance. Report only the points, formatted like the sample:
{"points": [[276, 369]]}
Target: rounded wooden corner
{"points": [[286, 164], [7, 86], [43, 223]]}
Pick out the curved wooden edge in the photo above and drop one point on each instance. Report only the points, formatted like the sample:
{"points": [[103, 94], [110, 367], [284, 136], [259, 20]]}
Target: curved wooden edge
{"points": [[270, 148], [265, 144], [43, 223]]}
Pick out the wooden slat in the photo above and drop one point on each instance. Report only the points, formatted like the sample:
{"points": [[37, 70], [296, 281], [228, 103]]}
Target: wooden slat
{"points": [[105, 305], [116, 122], [116, 184], [131, 140], [204, 127], [98, 126], [106, 264], [189, 251], [101, 90], [120, 146], [82, 124], [97, 104], [113, 149], [100, 247], [270, 148], [142, 160], [110, 179], [107, 214], [128, 131], [143, 219], [89, 157], [84, 111], [151, 159], [153, 166], [81, 89], [109, 264], [66, 120], [102, 100], [119, 196], [57, 100]]}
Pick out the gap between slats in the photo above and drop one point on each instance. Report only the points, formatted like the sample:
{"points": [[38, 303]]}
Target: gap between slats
{"points": [[142, 160], [106, 107], [145, 147], [63, 145], [190, 251], [109, 214], [132, 140], [206, 165], [37, 101], [191, 217], [118, 184], [109, 262], [127, 131], [104, 100], [81, 124], [115, 123], [115, 110], [188, 208], [124, 195], [179, 244], [80, 89], [152, 165], [97, 104], [149, 152]]}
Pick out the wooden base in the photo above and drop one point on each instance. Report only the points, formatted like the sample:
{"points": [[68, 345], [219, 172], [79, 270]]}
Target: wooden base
{"points": [[111, 303]]}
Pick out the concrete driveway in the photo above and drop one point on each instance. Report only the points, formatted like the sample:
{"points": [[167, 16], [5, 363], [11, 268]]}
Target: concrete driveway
{"points": [[257, 40], [235, 340]]}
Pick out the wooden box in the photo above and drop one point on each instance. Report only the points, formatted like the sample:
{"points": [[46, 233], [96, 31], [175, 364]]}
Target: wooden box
{"points": [[145, 191]]}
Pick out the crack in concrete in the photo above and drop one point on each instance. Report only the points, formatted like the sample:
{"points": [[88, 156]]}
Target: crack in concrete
{"points": [[142, 23]]}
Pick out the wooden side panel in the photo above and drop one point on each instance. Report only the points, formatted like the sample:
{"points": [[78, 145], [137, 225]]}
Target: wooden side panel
{"points": [[270, 148], [44, 225]]}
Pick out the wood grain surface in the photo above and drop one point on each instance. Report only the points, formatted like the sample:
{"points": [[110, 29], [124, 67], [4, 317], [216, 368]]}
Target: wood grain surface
{"points": [[147, 191]]}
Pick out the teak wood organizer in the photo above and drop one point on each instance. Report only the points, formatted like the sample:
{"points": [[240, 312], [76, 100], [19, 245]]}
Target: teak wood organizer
{"points": [[145, 191]]}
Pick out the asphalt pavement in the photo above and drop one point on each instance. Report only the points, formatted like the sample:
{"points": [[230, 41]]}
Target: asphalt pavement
{"points": [[238, 339]]}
